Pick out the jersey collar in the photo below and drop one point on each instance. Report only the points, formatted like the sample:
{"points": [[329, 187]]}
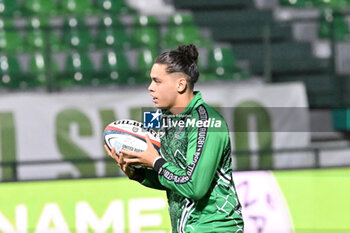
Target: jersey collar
{"points": [[196, 101]]}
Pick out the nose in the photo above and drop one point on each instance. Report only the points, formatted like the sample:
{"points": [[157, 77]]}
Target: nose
{"points": [[150, 87]]}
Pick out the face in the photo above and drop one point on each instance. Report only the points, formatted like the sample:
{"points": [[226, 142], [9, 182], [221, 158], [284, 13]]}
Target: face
{"points": [[164, 87]]}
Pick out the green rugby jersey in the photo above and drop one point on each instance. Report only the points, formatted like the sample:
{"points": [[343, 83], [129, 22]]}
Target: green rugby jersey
{"points": [[196, 171]]}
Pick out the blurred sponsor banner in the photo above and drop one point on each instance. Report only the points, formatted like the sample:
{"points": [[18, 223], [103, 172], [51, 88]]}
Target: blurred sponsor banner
{"points": [[69, 126], [273, 202]]}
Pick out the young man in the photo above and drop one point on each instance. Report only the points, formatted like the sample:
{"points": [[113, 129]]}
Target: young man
{"points": [[194, 165]]}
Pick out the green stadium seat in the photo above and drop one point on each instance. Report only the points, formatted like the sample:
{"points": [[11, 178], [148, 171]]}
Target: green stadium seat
{"points": [[76, 34], [8, 7], [40, 7], [10, 39], [184, 35], [341, 30], [112, 34], [145, 32], [10, 72], [79, 70], [115, 68], [114, 6], [222, 65], [35, 38], [145, 60], [76, 7], [183, 30], [181, 19], [38, 70]]}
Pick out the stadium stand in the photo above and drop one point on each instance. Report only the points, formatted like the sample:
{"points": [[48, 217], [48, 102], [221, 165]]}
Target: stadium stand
{"points": [[258, 33], [84, 26], [251, 35], [66, 44], [40, 7]]}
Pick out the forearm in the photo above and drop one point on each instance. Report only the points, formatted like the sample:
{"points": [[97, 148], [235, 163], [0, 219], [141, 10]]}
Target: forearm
{"points": [[148, 178]]}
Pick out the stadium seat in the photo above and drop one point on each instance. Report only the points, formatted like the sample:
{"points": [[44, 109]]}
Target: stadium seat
{"points": [[181, 30], [10, 39], [181, 19], [145, 32], [40, 7], [114, 6], [184, 35], [115, 68], [76, 34], [112, 34], [38, 69], [340, 26], [145, 61], [8, 7], [78, 71], [76, 7], [10, 72], [222, 64], [35, 38]]}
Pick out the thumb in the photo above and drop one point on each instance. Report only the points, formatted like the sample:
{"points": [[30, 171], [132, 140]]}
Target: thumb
{"points": [[148, 140]]}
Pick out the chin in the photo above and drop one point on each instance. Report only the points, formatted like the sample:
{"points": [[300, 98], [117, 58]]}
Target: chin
{"points": [[159, 106]]}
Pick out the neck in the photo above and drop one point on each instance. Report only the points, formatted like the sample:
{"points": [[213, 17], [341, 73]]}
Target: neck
{"points": [[181, 103]]}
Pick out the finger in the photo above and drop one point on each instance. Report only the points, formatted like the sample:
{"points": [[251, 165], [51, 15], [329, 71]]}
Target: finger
{"points": [[107, 149], [113, 152], [109, 153], [148, 140], [120, 159], [114, 155], [123, 165], [132, 161], [128, 153]]}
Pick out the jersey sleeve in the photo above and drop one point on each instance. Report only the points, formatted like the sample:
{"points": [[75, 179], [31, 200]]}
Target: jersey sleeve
{"points": [[148, 178], [204, 151]]}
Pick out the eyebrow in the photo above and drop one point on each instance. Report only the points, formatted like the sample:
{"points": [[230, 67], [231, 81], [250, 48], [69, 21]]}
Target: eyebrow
{"points": [[155, 78]]}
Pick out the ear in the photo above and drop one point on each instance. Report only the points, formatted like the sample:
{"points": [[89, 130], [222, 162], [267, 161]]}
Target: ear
{"points": [[181, 84]]}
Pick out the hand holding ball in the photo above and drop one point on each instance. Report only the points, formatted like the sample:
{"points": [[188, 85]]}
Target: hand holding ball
{"points": [[129, 135]]}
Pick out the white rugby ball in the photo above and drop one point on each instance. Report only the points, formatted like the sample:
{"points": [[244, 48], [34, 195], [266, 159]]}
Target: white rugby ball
{"points": [[129, 135]]}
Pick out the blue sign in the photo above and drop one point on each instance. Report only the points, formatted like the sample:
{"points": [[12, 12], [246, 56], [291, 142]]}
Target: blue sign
{"points": [[151, 119]]}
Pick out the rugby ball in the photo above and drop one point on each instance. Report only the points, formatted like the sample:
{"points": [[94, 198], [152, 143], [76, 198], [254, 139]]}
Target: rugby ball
{"points": [[129, 135]]}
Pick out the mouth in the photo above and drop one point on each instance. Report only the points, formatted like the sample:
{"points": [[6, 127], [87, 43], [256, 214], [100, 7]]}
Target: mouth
{"points": [[154, 99]]}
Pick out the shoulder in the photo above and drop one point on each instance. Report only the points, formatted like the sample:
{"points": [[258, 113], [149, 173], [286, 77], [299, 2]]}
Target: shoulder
{"points": [[206, 112]]}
